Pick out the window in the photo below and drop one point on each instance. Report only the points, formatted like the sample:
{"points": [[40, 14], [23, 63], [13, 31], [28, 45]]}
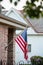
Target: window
{"points": [[29, 47]]}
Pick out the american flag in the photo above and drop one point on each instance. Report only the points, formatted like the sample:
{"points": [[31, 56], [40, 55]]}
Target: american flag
{"points": [[22, 42]]}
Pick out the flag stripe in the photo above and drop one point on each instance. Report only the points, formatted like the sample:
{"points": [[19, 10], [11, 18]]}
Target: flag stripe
{"points": [[25, 44], [19, 44], [22, 40], [25, 56]]}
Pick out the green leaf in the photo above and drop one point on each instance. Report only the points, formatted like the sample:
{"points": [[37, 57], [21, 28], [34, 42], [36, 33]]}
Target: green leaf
{"points": [[1, 0], [27, 2], [42, 14], [11, 1], [18, 0], [32, 10], [32, 1], [15, 3]]}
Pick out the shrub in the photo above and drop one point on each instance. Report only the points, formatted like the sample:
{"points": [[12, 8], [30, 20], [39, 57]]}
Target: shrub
{"points": [[36, 60]]}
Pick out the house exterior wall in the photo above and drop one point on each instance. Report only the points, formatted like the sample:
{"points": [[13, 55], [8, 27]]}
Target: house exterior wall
{"points": [[36, 48], [3, 42], [36, 42], [36, 45]]}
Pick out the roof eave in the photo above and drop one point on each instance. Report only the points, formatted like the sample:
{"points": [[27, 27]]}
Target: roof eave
{"points": [[12, 22]]}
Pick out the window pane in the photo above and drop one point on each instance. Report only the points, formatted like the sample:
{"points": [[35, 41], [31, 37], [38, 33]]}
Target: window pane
{"points": [[29, 47]]}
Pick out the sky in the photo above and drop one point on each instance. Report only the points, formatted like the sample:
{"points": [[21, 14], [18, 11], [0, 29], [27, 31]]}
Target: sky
{"points": [[19, 6], [8, 5]]}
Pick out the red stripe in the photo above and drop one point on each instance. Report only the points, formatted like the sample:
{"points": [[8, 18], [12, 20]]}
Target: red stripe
{"points": [[19, 45], [21, 42], [25, 47], [24, 43], [25, 56]]}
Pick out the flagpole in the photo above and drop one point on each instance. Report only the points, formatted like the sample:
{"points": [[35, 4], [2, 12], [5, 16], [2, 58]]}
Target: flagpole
{"points": [[25, 49], [26, 27]]}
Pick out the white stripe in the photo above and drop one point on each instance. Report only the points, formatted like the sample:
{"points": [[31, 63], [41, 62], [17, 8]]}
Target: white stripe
{"points": [[20, 45], [22, 39], [22, 42]]}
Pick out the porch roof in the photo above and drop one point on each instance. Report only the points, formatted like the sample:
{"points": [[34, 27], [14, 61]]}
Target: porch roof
{"points": [[12, 22]]}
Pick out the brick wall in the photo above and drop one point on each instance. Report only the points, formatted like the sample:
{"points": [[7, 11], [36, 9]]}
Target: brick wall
{"points": [[5, 36], [3, 41]]}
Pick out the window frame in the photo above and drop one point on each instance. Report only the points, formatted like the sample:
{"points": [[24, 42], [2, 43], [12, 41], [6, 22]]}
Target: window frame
{"points": [[29, 47]]}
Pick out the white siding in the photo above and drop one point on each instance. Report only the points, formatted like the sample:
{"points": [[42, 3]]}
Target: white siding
{"points": [[36, 48], [36, 45]]}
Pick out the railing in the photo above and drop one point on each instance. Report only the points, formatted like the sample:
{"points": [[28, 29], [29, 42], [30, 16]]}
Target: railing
{"points": [[21, 62]]}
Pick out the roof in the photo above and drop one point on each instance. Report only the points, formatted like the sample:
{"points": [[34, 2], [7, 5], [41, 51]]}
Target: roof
{"points": [[11, 22], [15, 14], [36, 24], [5, 19]]}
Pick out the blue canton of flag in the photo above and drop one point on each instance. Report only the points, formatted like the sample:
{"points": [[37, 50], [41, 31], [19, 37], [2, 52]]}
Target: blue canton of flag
{"points": [[22, 42]]}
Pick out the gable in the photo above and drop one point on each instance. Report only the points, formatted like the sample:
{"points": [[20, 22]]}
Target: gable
{"points": [[15, 15], [11, 22]]}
